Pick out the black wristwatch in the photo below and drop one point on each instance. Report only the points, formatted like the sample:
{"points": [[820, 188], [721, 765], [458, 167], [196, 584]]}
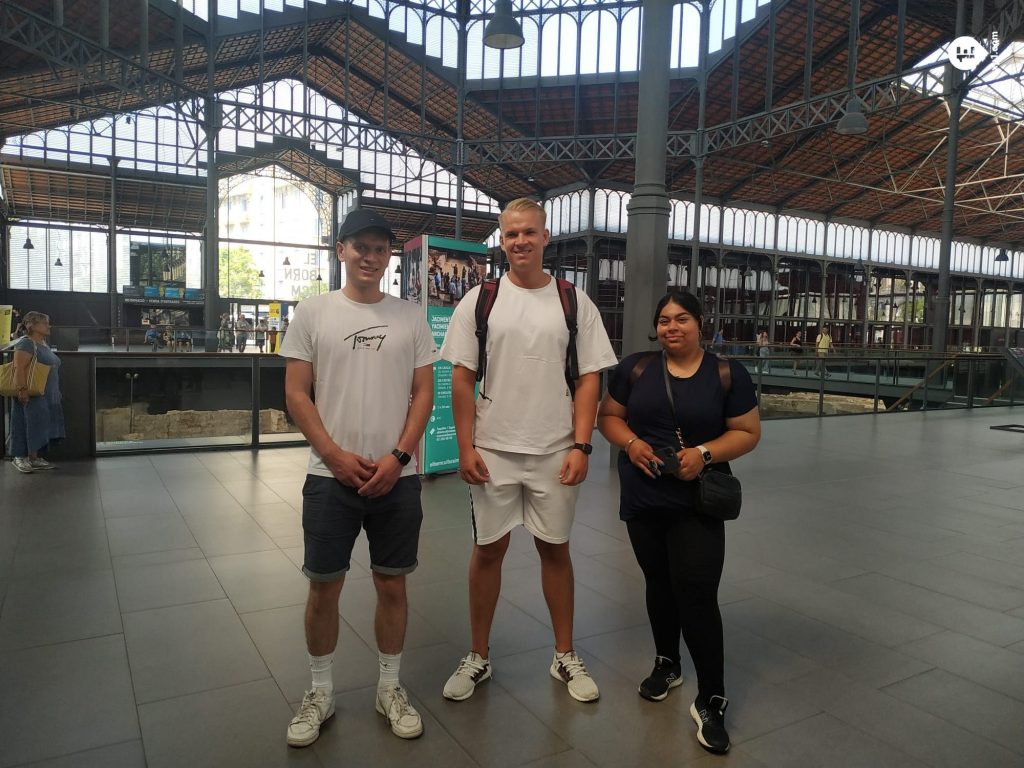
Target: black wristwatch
{"points": [[402, 456], [587, 448]]}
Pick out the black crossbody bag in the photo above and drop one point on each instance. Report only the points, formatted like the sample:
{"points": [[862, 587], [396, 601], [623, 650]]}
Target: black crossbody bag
{"points": [[716, 494]]}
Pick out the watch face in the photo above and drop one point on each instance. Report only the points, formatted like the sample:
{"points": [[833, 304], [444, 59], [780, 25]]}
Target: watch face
{"points": [[587, 448]]}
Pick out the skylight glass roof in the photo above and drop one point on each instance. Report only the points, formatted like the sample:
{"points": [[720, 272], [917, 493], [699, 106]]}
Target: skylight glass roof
{"points": [[998, 88]]}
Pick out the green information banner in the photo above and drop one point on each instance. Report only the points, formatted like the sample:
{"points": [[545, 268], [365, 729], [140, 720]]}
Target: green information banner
{"points": [[436, 274], [440, 448]]}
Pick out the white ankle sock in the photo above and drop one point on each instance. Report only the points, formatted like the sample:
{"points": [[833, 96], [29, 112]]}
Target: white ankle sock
{"points": [[389, 666], [320, 666]]}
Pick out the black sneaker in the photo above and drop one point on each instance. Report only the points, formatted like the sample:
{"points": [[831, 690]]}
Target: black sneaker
{"points": [[710, 719], [666, 674]]}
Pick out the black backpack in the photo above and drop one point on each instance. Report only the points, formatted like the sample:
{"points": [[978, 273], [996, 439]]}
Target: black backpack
{"points": [[485, 303]]}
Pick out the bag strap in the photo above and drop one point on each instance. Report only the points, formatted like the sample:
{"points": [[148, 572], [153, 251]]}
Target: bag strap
{"points": [[641, 365], [567, 297], [484, 304], [671, 400], [724, 375]]}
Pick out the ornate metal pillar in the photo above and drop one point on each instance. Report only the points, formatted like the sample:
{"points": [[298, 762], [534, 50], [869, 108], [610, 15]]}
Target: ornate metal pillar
{"points": [[649, 208]]}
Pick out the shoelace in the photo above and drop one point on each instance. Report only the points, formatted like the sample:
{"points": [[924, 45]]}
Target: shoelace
{"points": [[309, 712], [470, 667], [398, 706], [720, 711], [573, 666]]}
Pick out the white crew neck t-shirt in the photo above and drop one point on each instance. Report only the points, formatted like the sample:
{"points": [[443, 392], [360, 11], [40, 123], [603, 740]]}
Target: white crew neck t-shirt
{"points": [[524, 404], [363, 358]]}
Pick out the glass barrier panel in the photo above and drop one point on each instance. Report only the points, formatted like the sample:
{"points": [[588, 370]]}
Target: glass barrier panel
{"points": [[958, 373], [172, 400], [991, 382], [276, 425]]}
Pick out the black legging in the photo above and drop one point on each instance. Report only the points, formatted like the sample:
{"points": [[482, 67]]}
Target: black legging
{"points": [[681, 554]]}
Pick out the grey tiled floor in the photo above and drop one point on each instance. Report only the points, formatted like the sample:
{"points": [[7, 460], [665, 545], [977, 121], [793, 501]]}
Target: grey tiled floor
{"points": [[873, 602]]}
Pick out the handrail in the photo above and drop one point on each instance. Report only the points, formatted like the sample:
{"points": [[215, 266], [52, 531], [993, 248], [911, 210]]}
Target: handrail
{"points": [[998, 392], [910, 393]]}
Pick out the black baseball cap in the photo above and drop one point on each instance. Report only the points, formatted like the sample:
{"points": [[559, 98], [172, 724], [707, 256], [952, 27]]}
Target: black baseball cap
{"points": [[363, 218]]}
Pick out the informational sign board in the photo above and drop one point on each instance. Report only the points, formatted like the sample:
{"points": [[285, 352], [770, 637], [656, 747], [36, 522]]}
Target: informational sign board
{"points": [[436, 274], [6, 311]]}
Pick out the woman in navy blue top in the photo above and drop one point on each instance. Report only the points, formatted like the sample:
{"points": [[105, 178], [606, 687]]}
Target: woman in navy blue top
{"points": [[680, 552], [38, 420]]}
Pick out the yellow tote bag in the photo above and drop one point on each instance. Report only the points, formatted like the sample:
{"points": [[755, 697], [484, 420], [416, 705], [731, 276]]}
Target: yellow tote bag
{"points": [[38, 373]]}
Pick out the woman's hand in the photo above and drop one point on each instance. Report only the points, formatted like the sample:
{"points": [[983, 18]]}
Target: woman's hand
{"points": [[691, 464], [641, 455]]}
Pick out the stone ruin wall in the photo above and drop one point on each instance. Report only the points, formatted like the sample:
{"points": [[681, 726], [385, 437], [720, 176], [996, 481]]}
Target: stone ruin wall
{"points": [[119, 424]]}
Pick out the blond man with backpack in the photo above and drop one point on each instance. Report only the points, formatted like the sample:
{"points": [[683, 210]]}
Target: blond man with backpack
{"points": [[537, 346]]}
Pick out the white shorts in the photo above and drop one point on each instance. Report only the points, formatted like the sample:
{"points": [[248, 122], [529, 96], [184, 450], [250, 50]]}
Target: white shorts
{"points": [[523, 490]]}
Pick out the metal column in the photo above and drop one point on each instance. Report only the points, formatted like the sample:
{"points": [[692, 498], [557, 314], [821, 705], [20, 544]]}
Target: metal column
{"points": [[953, 80], [211, 248], [697, 149], [112, 238], [593, 262], [333, 267], [460, 109], [647, 230]]}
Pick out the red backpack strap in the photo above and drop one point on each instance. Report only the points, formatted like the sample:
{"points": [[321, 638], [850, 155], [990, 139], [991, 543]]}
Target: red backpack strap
{"points": [[567, 297], [484, 304]]}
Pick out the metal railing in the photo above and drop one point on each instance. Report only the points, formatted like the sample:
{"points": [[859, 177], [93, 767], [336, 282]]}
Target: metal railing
{"points": [[887, 381], [144, 402]]}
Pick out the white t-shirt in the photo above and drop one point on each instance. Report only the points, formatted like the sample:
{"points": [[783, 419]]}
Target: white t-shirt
{"points": [[363, 358], [524, 404]]}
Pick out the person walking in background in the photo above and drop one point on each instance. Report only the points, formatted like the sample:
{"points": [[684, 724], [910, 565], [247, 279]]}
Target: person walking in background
{"points": [[524, 446], [680, 551], [242, 335], [796, 347], [823, 346], [372, 355], [261, 335], [36, 421], [763, 350]]}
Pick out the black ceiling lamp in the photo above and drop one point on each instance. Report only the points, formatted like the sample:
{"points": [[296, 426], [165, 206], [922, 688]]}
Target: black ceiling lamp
{"points": [[1003, 255], [503, 31], [58, 262], [261, 274], [398, 269], [395, 281], [853, 122], [28, 243], [286, 263], [318, 278]]}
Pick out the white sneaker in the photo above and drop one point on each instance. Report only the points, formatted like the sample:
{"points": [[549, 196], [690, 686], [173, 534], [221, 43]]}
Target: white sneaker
{"points": [[473, 669], [23, 464], [41, 463], [571, 670], [394, 704], [317, 706]]}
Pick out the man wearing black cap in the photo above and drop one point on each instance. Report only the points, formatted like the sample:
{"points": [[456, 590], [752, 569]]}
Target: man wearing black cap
{"points": [[370, 358]]}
